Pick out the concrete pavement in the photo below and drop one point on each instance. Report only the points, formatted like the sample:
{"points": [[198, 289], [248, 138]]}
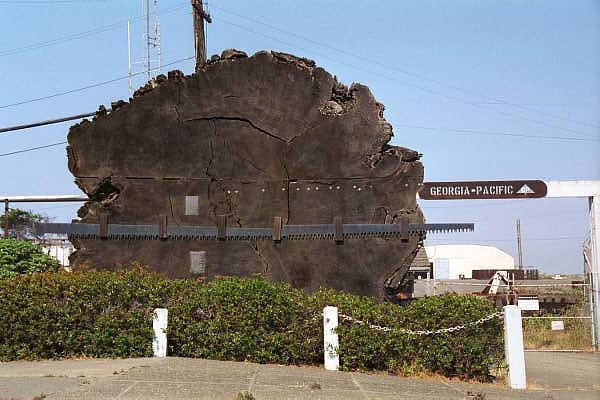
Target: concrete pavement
{"points": [[551, 376]]}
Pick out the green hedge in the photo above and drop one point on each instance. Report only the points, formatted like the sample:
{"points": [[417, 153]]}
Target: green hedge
{"points": [[109, 314], [21, 257]]}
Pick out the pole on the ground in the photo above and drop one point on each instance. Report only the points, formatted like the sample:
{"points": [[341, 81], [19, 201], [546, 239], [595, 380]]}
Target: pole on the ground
{"points": [[595, 265], [5, 218], [519, 246], [513, 347], [330, 338], [159, 324]]}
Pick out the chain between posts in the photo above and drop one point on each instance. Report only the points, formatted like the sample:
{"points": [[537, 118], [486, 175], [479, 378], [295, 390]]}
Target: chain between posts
{"points": [[480, 321]]}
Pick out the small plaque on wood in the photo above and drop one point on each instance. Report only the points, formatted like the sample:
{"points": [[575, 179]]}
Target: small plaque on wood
{"points": [[191, 205], [198, 263]]}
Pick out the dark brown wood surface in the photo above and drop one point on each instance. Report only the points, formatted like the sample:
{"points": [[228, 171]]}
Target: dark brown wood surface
{"points": [[254, 138]]}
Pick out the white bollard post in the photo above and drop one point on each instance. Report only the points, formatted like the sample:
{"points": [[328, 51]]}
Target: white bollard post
{"points": [[330, 338], [159, 324], [513, 347]]}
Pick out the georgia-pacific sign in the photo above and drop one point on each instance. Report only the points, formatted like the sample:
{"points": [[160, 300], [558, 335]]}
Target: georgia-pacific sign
{"points": [[521, 189]]}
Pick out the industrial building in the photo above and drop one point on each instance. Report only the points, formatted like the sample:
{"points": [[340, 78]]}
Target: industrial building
{"points": [[457, 261]]}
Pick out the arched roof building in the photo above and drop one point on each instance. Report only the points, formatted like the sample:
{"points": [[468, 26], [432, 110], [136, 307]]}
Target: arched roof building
{"points": [[450, 261]]}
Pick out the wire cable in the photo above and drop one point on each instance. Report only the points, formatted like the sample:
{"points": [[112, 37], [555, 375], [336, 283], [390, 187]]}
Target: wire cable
{"points": [[524, 239], [93, 85], [458, 131], [408, 73], [84, 34], [390, 77], [59, 40], [492, 133], [38, 2], [31, 149]]}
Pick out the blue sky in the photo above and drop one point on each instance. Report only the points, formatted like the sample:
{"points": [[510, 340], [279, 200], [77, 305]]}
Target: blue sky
{"points": [[440, 67]]}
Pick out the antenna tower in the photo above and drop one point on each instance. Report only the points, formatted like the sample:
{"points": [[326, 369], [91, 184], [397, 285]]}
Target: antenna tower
{"points": [[150, 61]]}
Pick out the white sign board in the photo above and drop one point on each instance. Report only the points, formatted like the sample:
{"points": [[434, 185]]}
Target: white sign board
{"points": [[558, 326], [528, 304]]}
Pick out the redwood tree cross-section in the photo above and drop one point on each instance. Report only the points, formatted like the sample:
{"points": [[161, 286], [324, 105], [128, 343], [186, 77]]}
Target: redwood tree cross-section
{"points": [[252, 138]]}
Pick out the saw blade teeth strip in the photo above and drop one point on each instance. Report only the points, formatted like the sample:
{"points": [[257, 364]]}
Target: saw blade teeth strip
{"points": [[289, 232]]}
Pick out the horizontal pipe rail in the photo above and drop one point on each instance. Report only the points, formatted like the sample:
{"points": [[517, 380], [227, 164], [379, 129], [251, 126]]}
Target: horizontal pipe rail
{"points": [[45, 199], [46, 122]]}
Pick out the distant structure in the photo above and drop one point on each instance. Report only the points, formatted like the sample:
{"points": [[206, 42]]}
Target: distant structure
{"points": [[457, 261], [60, 249], [422, 266]]}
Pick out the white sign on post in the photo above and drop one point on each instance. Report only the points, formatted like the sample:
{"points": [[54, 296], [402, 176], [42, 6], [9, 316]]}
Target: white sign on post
{"points": [[528, 304], [330, 338], [558, 326], [513, 347], [159, 324]]}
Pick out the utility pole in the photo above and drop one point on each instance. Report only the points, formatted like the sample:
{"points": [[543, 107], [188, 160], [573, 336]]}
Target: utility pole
{"points": [[199, 37], [5, 218], [520, 248]]}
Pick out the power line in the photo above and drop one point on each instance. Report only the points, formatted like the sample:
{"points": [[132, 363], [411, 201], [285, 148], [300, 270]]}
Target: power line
{"points": [[90, 86], [426, 204], [535, 110], [59, 40], [403, 71], [80, 35], [466, 131], [66, 92], [413, 74], [391, 78], [492, 133], [37, 2], [524, 239], [459, 131], [495, 217], [31, 149]]}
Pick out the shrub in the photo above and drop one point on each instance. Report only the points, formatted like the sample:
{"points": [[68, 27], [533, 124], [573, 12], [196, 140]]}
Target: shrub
{"points": [[109, 314], [20, 257]]}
